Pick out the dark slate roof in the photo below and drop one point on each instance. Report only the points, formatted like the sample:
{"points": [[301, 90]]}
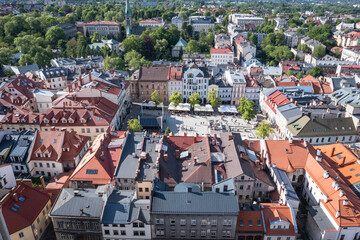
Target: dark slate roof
{"points": [[320, 218], [122, 209], [55, 72], [85, 204], [207, 203], [149, 123], [29, 68]]}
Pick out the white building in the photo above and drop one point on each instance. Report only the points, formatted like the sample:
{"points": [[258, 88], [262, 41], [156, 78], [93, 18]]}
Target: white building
{"points": [[343, 26], [133, 223], [221, 56], [195, 79], [55, 78], [152, 23], [242, 19], [44, 99], [351, 54], [201, 23], [7, 178], [177, 21]]}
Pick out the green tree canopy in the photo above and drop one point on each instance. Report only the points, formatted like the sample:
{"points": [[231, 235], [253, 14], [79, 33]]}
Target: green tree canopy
{"points": [[116, 63], [54, 35], [319, 52], [167, 131], [134, 125], [194, 99], [316, 72], [192, 47], [134, 60], [263, 130], [213, 98], [247, 109], [155, 97], [175, 98]]}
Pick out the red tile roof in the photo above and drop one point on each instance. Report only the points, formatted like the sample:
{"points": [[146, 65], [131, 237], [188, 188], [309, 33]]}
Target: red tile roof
{"points": [[100, 157], [26, 211], [275, 212], [103, 23], [276, 99], [150, 21], [221, 51], [53, 143], [250, 221]]}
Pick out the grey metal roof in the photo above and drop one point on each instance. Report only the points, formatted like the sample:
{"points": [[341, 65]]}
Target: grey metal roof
{"points": [[29, 68], [85, 204], [320, 218], [206, 203], [122, 209], [283, 180]]}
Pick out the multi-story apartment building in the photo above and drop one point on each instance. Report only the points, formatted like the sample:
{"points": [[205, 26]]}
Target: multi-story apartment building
{"points": [[55, 152], [195, 79], [25, 211], [245, 51], [134, 223], [242, 19], [86, 116], [138, 167], [323, 131], [104, 28], [7, 177], [55, 78], [237, 80], [76, 214], [98, 165], [146, 80], [221, 56], [201, 23], [175, 81], [189, 213]]}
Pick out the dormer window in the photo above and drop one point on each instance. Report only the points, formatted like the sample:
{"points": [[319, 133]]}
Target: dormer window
{"points": [[83, 120], [46, 155], [64, 121], [46, 121], [38, 155], [54, 121], [66, 149], [71, 121]]}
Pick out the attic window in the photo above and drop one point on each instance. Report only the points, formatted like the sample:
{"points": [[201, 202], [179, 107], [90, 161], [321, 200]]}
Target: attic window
{"points": [[314, 130], [64, 120], [91, 171], [71, 121], [350, 128], [241, 223], [259, 222], [336, 128], [54, 121], [343, 128], [250, 223]]}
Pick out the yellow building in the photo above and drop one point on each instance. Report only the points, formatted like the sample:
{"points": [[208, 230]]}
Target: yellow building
{"points": [[25, 210]]}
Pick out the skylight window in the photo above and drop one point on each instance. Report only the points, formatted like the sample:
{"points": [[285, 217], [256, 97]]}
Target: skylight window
{"points": [[358, 174], [336, 128], [250, 223], [241, 223], [91, 171], [352, 169], [22, 199], [259, 222]]}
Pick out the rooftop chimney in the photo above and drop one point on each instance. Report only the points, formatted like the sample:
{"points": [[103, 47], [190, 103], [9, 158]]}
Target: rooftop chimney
{"points": [[165, 157], [326, 198], [42, 181], [341, 193], [318, 155], [345, 202], [305, 143], [326, 174], [15, 197], [90, 150], [290, 140], [337, 214]]}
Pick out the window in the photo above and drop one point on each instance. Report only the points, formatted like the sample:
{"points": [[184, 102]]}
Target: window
{"points": [[214, 222], [107, 232], [146, 189], [241, 223], [136, 233], [182, 233], [140, 189], [172, 221], [182, 222], [193, 233], [160, 232], [21, 235], [203, 233], [115, 232], [123, 232], [193, 222], [142, 233], [38, 220], [53, 165], [135, 225], [203, 222], [213, 234], [172, 233], [35, 164], [250, 223]]}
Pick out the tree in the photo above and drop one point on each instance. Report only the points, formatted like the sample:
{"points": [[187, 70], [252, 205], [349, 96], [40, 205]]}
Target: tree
{"points": [[167, 131], [175, 98], [192, 47], [264, 130], [213, 98], [116, 63], [299, 75], [134, 125], [155, 97], [282, 53], [289, 73], [95, 37], [132, 43], [247, 109], [134, 60], [300, 31], [303, 47], [161, 49], [315, 72], [54, 35], [253, 38], [25, 59], [319, 52], [5, 55], [194, 99]]}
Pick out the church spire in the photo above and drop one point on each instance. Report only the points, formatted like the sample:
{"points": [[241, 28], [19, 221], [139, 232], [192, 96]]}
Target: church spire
{"points": [[128, 18]]}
